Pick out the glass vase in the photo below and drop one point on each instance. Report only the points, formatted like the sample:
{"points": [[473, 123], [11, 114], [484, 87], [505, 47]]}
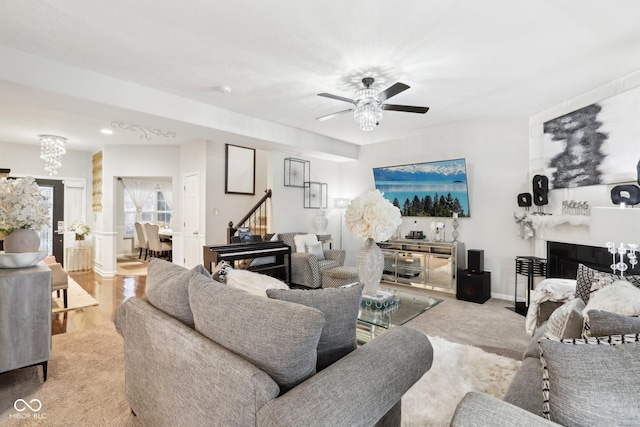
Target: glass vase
{"points": [[370, 265]]}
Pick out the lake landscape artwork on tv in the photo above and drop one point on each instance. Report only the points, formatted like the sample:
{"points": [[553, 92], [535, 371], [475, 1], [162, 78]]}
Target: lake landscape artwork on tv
{"points": [[436, 189]]}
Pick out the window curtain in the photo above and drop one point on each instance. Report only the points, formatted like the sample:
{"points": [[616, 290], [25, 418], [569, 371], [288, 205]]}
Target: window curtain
{"points": [[139, 191], [167, 192]]}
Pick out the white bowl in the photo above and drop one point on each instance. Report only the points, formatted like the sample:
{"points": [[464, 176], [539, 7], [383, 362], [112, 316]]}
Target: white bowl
{"points": [[21, 260]]}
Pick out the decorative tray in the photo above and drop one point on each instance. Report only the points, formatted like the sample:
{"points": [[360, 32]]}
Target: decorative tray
{"points": [[21, 260]]}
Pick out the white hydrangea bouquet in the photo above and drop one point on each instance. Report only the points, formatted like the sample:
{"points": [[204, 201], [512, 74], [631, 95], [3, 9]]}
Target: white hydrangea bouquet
{"points": [[21, 205], [373, 216], [80, 229]]}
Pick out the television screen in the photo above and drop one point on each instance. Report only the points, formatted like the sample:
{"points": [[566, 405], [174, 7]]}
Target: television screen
{"points": [[435, 189]]}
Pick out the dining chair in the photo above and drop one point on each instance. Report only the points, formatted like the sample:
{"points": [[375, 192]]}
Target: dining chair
{"points": [[157, 247], [142, 241]]}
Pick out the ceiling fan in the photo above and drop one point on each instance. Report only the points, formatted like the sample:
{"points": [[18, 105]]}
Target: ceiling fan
{"points": [[369, 103]]}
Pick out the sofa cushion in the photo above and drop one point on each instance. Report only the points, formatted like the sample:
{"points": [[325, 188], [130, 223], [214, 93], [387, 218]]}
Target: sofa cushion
{"points": [[253, 283], [278, 337], [620, 297], [603, 323], [566, 321], [592, 382], [524, 389], [589, 281], [167, 288], [340, 307], [533, 350]]}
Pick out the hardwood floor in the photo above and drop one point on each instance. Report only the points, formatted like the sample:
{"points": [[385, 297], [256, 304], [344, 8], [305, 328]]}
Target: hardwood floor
{"points": [[110, 292]]}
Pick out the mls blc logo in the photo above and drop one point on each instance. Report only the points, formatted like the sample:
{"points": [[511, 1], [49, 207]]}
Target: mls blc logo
{"points": [[34, 406]]}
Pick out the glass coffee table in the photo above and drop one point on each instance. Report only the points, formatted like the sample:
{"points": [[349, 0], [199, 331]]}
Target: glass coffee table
{"points": [[376, 315]]}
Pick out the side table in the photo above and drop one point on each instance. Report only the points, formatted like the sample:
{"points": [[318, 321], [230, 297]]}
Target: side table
{"points": [[79, 258], [531, 267]]}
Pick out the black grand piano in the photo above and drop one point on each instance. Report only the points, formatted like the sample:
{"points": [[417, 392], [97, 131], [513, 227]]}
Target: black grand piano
{"points": [[233, 252]]}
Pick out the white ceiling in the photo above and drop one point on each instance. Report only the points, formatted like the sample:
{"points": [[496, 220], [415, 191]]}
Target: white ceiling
{"points": [[464, 59]]}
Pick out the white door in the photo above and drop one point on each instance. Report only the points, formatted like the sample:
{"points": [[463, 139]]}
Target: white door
{"points": [[192, 242]]}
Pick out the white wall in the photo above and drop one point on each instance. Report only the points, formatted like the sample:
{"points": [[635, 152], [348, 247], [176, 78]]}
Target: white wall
{"points": [[496, 155], [596, 195]]}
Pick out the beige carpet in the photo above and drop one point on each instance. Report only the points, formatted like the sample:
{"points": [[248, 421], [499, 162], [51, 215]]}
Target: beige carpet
{"points": [[86, 383], [132, 266], [85, 386], [77, 298]]}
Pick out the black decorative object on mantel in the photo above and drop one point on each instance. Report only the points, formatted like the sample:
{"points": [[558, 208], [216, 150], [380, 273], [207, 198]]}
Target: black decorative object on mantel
{"points": [[540, 190], [627, 194], [524, 200]]}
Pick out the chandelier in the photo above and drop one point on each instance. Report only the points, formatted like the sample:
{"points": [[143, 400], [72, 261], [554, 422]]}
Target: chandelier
{"points": [[51, 150], [368, 111]]}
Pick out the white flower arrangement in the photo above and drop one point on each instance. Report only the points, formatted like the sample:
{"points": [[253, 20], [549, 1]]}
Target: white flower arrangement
{"points": [[21, 205], [80, 229], [373, 216]]}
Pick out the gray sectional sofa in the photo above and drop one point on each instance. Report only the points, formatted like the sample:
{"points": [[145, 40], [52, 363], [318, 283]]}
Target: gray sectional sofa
{"points": [[576, 371], [201, 353]]}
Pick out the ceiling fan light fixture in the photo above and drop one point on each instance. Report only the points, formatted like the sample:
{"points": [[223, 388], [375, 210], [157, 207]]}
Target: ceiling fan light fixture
{"points": [[368, 111]]}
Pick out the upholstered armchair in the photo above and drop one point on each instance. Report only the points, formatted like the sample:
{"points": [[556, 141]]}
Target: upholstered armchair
{"points": [[59, 279], [306, 268]]}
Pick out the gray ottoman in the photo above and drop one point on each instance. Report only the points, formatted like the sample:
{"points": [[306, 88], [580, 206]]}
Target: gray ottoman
{"points": [[339, 276]]}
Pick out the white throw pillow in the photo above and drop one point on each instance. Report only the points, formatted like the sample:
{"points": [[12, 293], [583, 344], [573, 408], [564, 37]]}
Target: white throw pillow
{"points": [[253, 283], [316, 249], [302, 240], [620, 297]]}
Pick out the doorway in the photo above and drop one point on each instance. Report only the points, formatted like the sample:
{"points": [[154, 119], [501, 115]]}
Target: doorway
{"points": [[52, 234]]}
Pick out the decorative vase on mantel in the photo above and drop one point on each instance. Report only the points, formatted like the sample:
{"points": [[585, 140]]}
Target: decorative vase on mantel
{"points": [[370, 265], [22, 240]]}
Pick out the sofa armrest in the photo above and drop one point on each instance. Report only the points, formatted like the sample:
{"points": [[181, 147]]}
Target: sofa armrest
{"points": [[360, 388], [480, 410], [335, 255], [305, 270]]}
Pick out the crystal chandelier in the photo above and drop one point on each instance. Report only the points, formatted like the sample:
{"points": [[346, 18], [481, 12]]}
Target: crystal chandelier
{"points": [[51, 150], [368, 111]]}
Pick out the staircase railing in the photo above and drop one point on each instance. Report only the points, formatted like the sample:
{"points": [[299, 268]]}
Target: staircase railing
{"points": [[255, 219]]}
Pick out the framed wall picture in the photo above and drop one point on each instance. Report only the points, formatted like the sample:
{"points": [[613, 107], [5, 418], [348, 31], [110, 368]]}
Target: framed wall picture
{"points": [[315, 195], [240, 170]]}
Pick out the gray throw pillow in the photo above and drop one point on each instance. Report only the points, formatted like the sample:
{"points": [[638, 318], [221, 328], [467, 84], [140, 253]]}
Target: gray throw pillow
{"points": [[592, 382], [603, 323], [167, 288], [276, 336], [340, 307], [566, 321]]}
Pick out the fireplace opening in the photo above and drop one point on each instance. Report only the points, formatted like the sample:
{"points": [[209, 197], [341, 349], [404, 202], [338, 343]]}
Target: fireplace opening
{"points": [[563, 259]]}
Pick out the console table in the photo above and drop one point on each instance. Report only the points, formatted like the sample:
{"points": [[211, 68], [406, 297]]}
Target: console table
{"points": [[25, 317], [421, 263], [79, 258]]}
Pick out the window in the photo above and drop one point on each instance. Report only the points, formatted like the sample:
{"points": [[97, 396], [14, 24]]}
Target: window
{"points": [[154, 210]]}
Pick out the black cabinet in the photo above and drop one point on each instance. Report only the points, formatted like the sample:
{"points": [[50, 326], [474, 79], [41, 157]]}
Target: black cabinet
{"points": [[474, 287]]}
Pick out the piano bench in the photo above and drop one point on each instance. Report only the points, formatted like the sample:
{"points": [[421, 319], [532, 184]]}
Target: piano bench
{"points": [[339, 276]]}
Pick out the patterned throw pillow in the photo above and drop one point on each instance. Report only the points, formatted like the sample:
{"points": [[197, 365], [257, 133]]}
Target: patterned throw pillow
{"points": [[566, 321], [589, 281], [591, 381]]}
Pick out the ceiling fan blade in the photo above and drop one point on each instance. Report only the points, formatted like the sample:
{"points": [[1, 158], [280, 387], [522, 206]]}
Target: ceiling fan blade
{"points": [[332, 115], [392, 90], [339, 98], [405, 108]]}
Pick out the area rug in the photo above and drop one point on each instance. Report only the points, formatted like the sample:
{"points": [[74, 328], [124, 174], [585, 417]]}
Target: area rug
{"points": [[86, 383], [130, 266], [457, 369], [77, 298]]}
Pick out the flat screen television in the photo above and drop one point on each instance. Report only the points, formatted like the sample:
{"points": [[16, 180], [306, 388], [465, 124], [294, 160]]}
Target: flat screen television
{"points": [[436, 189]]}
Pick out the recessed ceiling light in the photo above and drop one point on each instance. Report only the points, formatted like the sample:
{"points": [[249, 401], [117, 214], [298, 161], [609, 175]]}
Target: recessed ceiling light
{"points": [[106, 131]]}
